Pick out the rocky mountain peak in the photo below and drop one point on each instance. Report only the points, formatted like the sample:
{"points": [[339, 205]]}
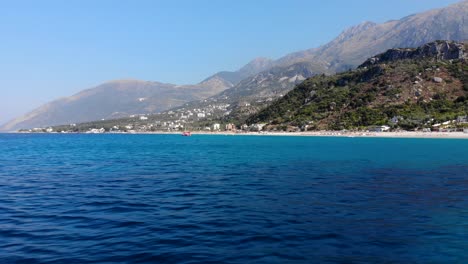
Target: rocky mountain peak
{"points": [[216, 82], [440, 50], [257, 65], [353, 31]]}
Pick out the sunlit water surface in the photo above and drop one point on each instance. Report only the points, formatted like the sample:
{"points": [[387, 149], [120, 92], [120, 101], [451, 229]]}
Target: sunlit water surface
{"points": [[232, 199]]}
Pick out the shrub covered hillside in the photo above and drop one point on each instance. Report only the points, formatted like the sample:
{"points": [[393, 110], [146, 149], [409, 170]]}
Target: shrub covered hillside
{"points": [[406, 88]]}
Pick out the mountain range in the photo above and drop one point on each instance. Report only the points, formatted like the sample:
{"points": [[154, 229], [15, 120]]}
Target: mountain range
{"points": [[345, 52], [121, 98], [260, 79]]}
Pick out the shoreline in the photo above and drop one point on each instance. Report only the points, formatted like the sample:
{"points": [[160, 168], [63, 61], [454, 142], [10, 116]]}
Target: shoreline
{"points": [[405, 134]]}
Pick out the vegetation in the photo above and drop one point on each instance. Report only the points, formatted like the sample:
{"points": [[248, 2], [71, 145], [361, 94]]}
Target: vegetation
{"points": [[407, 94]]}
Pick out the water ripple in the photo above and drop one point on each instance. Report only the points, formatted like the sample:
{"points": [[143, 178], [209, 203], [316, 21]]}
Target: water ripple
{"points": [[167, 199]]}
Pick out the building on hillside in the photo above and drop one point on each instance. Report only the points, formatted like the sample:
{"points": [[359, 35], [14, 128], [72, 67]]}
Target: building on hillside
{"points": [[230, 127], [257, 127], [395, 120], [462, 119], [96, 131], [378, 128], [216, 127]]}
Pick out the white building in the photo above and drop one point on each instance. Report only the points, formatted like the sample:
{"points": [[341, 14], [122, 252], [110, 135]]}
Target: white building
{"points": [[96, 131], [201, 115], [258, 127], [216, 126], [379, 128]]}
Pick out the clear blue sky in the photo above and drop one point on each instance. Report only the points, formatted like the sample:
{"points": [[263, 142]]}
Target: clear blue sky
{"points": [[50, 49]]}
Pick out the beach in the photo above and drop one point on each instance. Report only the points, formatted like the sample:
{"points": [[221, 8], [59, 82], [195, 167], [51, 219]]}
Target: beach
{"points": [[400, 134]]}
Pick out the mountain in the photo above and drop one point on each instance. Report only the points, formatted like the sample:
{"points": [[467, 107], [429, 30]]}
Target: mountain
{"points": [[255, 66], [253, 93], [407, 88], [270, 83], [115, 99], [122, 98], [357, 43], [346, 51]]}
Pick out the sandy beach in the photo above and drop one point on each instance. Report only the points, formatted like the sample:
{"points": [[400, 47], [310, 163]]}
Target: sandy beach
{"points": [[402, 134], [406, 134]]}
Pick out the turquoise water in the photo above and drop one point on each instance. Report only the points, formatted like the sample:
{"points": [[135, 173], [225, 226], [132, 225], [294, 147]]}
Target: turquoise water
{"points": [[232, 199]]}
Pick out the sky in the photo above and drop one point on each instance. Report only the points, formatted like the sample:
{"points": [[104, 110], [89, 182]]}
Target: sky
{"points": [[54, 48]]}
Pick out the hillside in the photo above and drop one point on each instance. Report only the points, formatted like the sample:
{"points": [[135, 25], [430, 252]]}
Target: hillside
{"points": [[406, 88], [255, 92]]}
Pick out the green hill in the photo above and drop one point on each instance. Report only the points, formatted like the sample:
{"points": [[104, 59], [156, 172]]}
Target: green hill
{"points": [[405, 88]]}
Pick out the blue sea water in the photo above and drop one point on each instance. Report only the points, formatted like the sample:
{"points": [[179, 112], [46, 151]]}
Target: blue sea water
{"points": [[232, 199]]}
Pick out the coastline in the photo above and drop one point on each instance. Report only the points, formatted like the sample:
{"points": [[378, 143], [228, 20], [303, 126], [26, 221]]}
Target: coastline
{"points": [[402, 134], [406, 134]]}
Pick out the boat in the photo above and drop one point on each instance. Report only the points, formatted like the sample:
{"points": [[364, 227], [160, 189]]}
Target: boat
{"points": [[186, 134]]}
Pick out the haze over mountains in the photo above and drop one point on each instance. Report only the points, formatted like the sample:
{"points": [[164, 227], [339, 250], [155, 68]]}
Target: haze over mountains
{"points": [[122, 98], [259, 79]]}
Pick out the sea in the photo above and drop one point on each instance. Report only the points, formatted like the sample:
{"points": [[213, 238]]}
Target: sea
{"points": [[76, 198]]}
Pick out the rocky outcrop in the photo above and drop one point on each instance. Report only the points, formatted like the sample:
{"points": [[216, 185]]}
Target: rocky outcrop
{"points": [[439, 50]]}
